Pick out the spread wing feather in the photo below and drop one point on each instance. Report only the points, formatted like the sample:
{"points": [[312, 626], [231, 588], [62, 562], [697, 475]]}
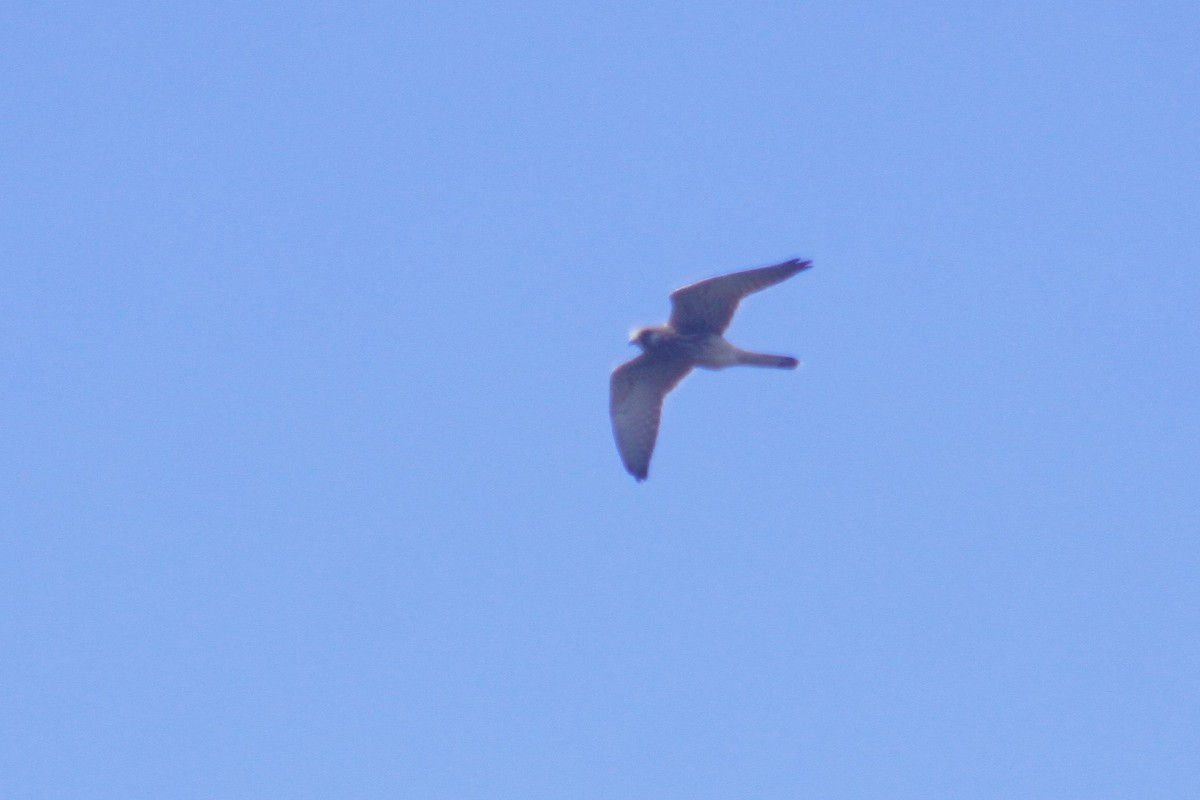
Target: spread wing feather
{"points": [[708, 306], [637, 389]]}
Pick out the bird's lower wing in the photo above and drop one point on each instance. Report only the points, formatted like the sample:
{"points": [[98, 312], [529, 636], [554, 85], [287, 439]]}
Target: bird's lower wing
{"points": [[637, 389]]}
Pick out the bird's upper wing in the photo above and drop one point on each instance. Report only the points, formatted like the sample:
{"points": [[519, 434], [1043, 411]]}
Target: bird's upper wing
{"points": [[708, 306], [637, 390]]}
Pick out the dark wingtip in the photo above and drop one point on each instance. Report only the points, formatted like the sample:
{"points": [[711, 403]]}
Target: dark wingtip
{"points": [[638, 471]]}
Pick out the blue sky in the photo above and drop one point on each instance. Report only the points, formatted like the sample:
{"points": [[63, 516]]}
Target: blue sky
{"points": [[309, 489]]}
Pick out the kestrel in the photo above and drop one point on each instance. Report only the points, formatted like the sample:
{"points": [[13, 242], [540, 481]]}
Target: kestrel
{"points": [[692, 337]]}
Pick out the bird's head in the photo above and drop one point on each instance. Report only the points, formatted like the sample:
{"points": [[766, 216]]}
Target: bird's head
{"points": [[645, 338]]}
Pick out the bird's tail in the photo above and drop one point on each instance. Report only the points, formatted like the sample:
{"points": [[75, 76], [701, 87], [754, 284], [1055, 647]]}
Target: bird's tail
{"points": [[765, 360]]}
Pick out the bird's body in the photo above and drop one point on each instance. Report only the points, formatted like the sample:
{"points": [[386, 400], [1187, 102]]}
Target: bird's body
{"points": [[693, 337], [705, 350]]}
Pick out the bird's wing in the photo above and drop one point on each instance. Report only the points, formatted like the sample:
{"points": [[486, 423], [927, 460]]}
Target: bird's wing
{"points": [[708, 306], [636, 394]]}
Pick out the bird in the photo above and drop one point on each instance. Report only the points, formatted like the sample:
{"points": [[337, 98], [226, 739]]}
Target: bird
{"points": [[693, 337]]}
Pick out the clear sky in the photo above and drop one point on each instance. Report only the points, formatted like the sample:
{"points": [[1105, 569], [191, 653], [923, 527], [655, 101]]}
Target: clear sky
{"points": [[308, 485]]}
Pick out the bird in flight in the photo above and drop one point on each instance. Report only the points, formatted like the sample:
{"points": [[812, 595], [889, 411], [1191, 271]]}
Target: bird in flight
{"points": [[692, 337]]}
